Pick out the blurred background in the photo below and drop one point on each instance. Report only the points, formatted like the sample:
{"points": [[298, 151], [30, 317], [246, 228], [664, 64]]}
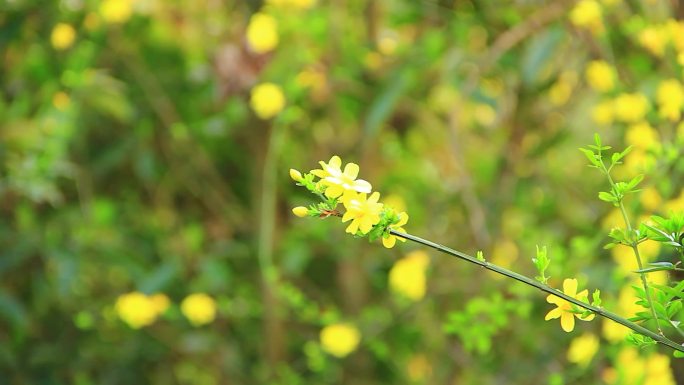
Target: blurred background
{"points": [[146, 233]]}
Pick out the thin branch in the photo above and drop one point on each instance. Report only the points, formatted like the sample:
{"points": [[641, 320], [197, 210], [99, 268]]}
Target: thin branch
{"points": [[531, 282]]}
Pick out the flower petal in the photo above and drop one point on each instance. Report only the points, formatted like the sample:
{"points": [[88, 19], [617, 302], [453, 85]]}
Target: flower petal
{"points": [[362, 186], [351, 170], [567, 322], [389, 241], [403, 219], [335, 162], [353, 227], [570, 286], [553, 314]]}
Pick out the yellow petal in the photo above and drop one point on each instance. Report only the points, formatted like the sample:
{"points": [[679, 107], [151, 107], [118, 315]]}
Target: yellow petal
{"points": [[335, 162], [403, 219], [553, 314], [351, 170], [353, 227], [567, 322], [389, 241], [587, 318], [570, 286], [374, 197]]}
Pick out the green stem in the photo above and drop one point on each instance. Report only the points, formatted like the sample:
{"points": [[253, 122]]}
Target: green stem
{"points": [[531, 282], [633, 244]]}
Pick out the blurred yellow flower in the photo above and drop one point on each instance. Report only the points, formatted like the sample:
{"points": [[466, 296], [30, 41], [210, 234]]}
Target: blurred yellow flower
{"points": [[504, 253], [160, 302], [587, 14], [62, 36], [583, 348], [633, 369], [296, 4], [419, 368], [340, 339], [675, 204], [613, 331], [600, 75], [267, 100], [654, 39], [116, 11], [199, 309], [136, 309], [564, 309], [362, 211], [484, 114], [407, 276], [602, 113], [670, 99], [642, 136], [560, 91], [392, 239], [262, 33], [61, 101], [612, 219], [631, 108], [650, 198]]}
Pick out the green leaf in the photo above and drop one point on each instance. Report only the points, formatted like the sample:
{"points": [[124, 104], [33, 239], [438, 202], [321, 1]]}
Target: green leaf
{"points": [[656, 266], [607, 197], [678, 354]]}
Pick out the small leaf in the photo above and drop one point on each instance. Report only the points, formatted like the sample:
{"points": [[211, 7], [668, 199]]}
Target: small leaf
{"points": [[607, 197]]}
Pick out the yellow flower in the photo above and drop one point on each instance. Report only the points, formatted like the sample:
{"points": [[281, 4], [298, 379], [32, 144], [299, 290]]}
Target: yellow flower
{"points": [[600, 75], [63, 36], [654, 39], [339, 182], [61, 101], [419, 368], [267, 100], [300, 211], [116, 11], [364, 213], [670, 98], [631, 108], [262, 33], [613, 331], [161, 302], [199, 309], [407, 276], [340, 339], [390, 240], [658, 370], [564, 309], [136, 309], [587, 14], [650, 198], [582, 349], [603, 113], [642, 136]]}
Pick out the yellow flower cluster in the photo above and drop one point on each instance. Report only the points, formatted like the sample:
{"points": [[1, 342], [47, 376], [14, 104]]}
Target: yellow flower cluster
{"points": [[600, 75], [293, 4], [589, 15], [116, 11], [670, 97], [626, 108], [139, 310], [340, 339], [407, 276], [566, 310], [363, 210], [632, 369], [199, 309], [656, 38]]}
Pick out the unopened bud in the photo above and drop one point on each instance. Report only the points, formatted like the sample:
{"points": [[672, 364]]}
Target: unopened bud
{"points": [[300, 211], [295, 175]]}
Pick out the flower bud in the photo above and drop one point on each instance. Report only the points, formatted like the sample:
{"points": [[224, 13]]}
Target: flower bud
{"points": [[295, 175], [300, 211]]}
